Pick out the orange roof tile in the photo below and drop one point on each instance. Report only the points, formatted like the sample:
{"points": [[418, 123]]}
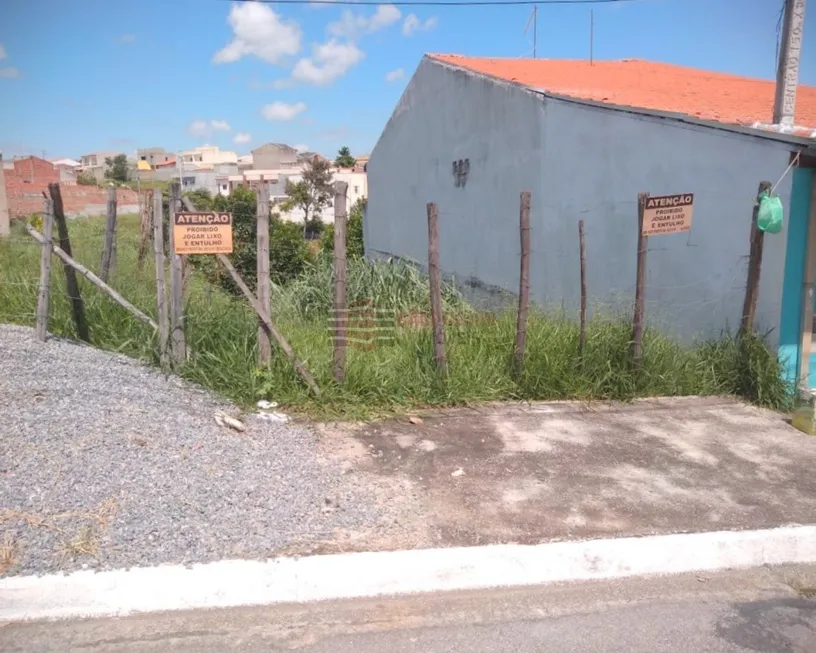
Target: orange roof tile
{"points": [[657, 86]]}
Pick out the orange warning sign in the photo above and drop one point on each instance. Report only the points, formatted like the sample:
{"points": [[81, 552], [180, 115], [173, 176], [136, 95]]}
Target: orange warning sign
{"points": [[202, 233], [668, 214]]}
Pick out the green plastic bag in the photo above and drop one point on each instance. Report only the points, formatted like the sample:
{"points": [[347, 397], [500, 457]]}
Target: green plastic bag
{"points": [[769, 216]]}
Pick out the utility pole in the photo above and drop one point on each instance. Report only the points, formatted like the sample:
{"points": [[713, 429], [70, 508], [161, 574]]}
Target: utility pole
{"points": [[591, 36], [534, 20], [787, 72]]}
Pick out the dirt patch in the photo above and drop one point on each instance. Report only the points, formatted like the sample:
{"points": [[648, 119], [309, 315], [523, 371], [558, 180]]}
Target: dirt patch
{"points": [[545, 472]]}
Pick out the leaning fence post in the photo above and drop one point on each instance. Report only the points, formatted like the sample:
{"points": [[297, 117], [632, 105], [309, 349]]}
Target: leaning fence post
{"points": [[754, 267], [161, 285], [340, 310], [300, 368], [435, 280], [264, 288], [90, 276], [177, 343], [524, 284], [640, 284], [45, 271], [109, 249], [71, 281]]}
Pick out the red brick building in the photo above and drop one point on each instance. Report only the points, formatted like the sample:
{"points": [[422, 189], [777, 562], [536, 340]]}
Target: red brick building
{"points": [[28, 179]]}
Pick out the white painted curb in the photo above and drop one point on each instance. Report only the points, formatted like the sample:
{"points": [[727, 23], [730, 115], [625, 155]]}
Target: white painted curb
{"points": [[233, 583]]}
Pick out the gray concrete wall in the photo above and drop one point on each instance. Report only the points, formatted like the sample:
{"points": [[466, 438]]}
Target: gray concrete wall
{"points": [[596, 162], [579, 162], [445, 115]]}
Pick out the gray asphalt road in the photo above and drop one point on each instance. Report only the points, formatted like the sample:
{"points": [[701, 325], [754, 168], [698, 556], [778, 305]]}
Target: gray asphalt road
{"points": [[763, 610]]}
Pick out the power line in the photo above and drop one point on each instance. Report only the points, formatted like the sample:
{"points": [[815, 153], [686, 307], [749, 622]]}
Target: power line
{"points": [[439, 3]]}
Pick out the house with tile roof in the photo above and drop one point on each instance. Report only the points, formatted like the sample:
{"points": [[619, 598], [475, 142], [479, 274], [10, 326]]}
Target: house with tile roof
{"points": [[470, 134]]}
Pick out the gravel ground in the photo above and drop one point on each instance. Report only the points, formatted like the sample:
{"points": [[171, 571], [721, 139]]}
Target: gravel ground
{"points": [[106, 463]]}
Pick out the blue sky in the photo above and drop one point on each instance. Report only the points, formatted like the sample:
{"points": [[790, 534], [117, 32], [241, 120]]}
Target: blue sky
{"points": [[83, 75]]}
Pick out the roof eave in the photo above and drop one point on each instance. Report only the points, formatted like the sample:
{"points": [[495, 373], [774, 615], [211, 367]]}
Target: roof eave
{"points": [[790, 139]]}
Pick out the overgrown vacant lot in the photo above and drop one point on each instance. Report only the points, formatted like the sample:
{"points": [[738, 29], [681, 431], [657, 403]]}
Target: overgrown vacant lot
{"points": [[395, 375]]}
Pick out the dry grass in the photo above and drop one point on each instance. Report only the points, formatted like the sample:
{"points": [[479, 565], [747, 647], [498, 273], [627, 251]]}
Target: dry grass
{"points": [[9, 551], [83, 542]]}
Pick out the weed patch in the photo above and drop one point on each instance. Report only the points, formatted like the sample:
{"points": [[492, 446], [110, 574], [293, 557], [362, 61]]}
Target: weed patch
{"points": [[396, 374]]}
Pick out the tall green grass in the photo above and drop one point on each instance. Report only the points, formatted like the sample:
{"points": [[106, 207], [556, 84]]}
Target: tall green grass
{"points": [[398, 374]]}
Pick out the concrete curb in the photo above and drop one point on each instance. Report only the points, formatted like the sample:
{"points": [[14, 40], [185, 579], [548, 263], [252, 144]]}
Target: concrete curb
{"points": [[233, 583]]}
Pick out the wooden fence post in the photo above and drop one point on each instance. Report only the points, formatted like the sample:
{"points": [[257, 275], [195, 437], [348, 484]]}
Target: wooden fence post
{"points": [[640, 284], [178, 346], [145, 210], [435, 280], [71, 282], [90, 276], [109, 248], [340, 308], [267, 321], [263, 282], [524, 284], [45, 271], [582, 326], [162, 313], [754, 267]]}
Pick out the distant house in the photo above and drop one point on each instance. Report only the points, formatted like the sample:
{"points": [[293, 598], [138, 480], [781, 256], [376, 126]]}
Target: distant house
{"points": [[306, 158], [152, 156], [213, 180], [94, 163], [275, 156], [207, 156], [162, 171], [67, 169], [245, 162], [470, 134], [362, 162], [65, 163]]}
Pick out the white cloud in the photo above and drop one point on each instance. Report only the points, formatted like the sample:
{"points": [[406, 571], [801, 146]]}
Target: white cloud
{"points": [[259, 31], [384, 16], [241, 138], [199, 128], [202, 128], [282, 110], [127, 38], [413, 24], [302, 148], [352, 26], [394, 75], [328, 62], [8, 72]]}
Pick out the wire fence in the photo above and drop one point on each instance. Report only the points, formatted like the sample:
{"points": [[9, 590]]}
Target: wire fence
{"points": [[695, 282]]}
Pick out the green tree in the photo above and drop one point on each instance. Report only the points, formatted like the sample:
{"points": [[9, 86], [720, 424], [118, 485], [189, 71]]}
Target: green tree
{"points": [[288, 251], [86, 179], [117, 168], [354, 232], [344, 158], [202, 199], [311, 195]]}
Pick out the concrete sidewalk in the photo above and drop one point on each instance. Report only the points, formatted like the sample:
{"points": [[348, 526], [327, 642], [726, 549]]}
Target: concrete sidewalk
{"points": [[546, 472], [602, 492]]}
